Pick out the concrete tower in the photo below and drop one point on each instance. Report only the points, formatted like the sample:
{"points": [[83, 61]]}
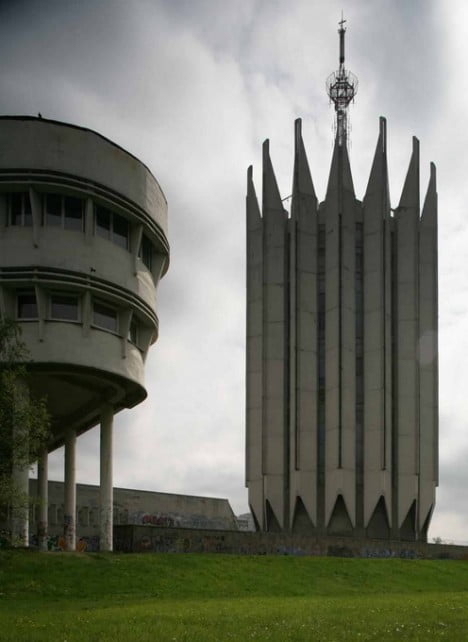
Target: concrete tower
{"points": [[82, 247], [342, 355]]}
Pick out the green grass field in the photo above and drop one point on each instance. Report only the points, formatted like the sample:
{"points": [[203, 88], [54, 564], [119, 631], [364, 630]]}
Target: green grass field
{"points": [[80, 597]]}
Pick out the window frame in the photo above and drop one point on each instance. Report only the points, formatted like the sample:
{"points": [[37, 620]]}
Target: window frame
{"points": [[63, 212], [20, 293], [141, 254], [109, 306], [112, 235], [133, 340], [74, 295], [23, 196]]}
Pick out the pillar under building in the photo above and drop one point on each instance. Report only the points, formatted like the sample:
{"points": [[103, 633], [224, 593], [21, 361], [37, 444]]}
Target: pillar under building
{"points": [[69, 513], [106, 487], [19, 509], [43, 499], [342, 393]]}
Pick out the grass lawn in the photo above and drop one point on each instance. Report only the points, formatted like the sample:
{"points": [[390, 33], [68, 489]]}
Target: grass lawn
{"points": [[104, 597]]}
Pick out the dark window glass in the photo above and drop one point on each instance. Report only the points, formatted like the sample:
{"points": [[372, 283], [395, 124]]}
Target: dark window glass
{"points": [[27, 220], [133, 332], [53, 210], [120, 231], [15, 209], [103, 222], [73, 213], [64, 307], [27, 306], [105, 317], [147, 252]]}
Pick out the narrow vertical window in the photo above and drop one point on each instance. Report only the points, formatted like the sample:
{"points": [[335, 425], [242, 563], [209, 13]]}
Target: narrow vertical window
{"points": [[321, 372], [103, 222], [120, 231], [53, 210], [133, 332], [359, 370], [73, 214], [20, 209], [146, 252], [15, 209], [27, 212]]}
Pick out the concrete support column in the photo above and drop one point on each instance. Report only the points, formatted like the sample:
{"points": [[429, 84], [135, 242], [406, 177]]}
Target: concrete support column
{"points": [[20, 505], [107, 503], [69, 517], [42, 493], [20, 474]]}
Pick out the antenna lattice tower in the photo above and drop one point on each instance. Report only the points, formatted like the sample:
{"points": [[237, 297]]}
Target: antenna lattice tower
{"points": [[342, 87]]}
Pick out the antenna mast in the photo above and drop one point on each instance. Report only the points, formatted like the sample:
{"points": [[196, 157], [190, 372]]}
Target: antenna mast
{"points": [[342, 86]]}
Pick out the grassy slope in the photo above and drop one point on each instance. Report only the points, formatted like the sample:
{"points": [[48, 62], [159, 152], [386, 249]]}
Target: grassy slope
{"points": [[219, 597]]}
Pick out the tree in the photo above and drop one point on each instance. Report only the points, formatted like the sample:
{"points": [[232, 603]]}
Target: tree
{"points": [[24, 420]]}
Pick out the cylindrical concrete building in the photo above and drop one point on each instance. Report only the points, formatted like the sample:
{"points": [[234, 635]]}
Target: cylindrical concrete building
{"points": [[83, 244]]}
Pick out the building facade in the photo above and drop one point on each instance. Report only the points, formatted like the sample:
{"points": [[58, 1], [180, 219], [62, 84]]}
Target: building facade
{"points": [[83, 244], [130, 506], [342, 354]]}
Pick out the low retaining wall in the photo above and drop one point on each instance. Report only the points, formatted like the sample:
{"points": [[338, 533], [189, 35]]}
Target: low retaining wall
{"points": [[155, 539]]}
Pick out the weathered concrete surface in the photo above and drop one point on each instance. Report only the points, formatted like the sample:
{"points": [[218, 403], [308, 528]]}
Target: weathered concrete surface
{"points": [[69, 517], [303, 325], [150, 539], [83, 227], [79, 364], [342, 362], [137, 507], [38, 143]]}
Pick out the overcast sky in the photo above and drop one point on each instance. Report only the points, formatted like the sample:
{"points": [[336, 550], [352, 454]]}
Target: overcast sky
{"points": [[193, 87]]}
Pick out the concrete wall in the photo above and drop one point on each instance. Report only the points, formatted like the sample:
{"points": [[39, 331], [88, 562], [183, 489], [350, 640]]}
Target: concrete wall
{"points": [[150, 539], [138, 507]]}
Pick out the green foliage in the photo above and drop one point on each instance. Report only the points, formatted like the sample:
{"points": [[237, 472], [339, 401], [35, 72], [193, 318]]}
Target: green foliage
{"points": [[24, 420], [115, 598]]}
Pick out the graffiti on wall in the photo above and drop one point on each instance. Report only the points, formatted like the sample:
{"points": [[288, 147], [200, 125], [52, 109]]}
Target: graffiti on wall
{"points": [[178, 520], [172, 540], [56, 543]]}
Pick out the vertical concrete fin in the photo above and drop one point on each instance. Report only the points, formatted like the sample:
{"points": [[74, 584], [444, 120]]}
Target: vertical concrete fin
{"points": [[275, 424], [253, 210], [340, 171], [374, 465], [254, 352], [303, 335], [429, 211], [407, 341], [302, 181], [428, 355], [410, 194], [378, 178], [271, 194]]}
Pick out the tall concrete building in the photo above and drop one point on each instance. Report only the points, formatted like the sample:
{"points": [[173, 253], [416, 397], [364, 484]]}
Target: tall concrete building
{"points": [[342, 356], [83, 244]]}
